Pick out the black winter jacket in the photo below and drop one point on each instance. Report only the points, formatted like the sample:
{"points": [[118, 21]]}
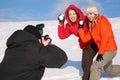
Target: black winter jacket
{"points": [[25, 58]]}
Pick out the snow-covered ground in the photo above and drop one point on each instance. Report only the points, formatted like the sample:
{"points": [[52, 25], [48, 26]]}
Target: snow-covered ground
{"points": [[72, 69]]}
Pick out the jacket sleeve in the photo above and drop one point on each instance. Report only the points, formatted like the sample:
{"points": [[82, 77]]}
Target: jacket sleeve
{"points": [[85, 36], [106, 31], [63, 32], [52, 56]]}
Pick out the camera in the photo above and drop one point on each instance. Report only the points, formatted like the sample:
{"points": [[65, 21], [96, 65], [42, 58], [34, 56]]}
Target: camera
{"points": [[40, 28]]}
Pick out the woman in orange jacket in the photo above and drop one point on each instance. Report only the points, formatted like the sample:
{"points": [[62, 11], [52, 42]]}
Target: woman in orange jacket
{"points": [[73, 16], [100, 30]]}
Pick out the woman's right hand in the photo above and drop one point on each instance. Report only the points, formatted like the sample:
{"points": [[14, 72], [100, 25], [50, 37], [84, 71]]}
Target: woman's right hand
{"points": [[61, 18]]}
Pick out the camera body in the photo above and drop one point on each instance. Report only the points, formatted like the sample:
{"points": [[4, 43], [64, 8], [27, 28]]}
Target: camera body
{"points": [[40, 28]]}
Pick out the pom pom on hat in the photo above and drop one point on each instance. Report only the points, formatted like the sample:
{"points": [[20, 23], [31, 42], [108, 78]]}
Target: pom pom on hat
{"points": [[92, 9]]}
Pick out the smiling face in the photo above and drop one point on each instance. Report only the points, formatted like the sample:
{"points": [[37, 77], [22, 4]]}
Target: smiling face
{"points": [[72, 15], [91, 16]]}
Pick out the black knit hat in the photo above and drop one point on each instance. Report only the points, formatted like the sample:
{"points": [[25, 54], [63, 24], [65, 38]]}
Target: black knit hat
{"points": [[33, 30]]}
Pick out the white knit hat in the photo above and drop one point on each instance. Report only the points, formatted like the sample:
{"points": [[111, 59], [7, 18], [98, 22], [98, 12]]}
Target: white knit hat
{"points": [[92, 9]]}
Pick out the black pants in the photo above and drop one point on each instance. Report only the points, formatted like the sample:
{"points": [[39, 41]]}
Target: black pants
{"points": [[87, 59]]}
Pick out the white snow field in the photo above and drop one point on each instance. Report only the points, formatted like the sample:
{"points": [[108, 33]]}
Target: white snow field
{"points": [[72, 69]]}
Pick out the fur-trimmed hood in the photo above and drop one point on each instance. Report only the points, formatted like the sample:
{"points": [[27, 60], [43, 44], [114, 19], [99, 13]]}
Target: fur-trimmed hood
{"points": [[79, 12]]}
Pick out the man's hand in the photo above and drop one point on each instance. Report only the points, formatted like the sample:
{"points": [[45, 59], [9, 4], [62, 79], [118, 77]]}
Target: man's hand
{"points": [[99, 58], [45, 41], [61, 18]]}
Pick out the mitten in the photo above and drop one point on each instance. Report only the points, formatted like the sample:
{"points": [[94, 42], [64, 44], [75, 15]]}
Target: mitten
{"points": [[61, 18], [99, 57], [81, 23]]}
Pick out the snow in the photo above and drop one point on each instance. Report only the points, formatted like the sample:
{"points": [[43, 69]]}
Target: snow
{"points": [[72, 69]]}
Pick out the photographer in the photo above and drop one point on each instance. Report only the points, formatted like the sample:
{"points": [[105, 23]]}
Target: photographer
{"points": [[28, 54]]}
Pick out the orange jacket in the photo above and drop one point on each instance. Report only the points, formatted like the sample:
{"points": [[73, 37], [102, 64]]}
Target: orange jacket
{"points": [[101, 33]]}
